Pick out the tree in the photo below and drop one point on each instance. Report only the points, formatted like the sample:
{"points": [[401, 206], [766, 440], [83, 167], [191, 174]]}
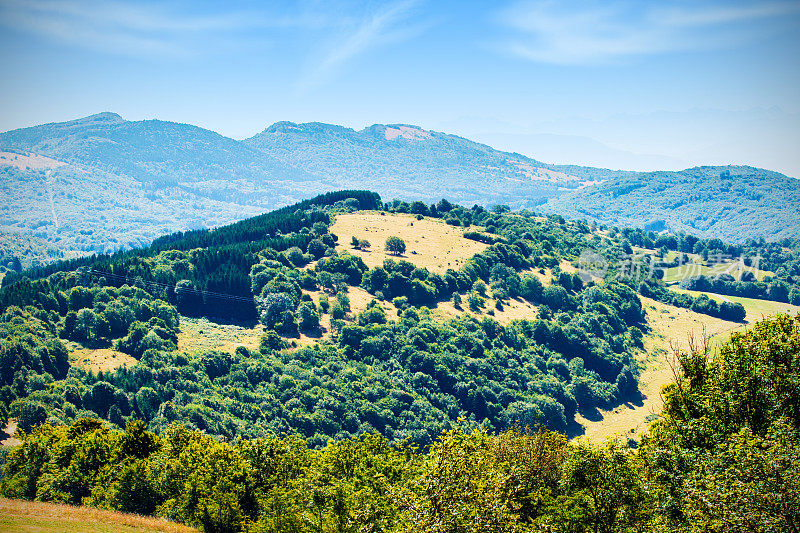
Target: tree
{"points": [[28, 414], [603, 488], [316, 248], [456, 300], [274, 307], [395, 245], [308, 317], [189, 298]]}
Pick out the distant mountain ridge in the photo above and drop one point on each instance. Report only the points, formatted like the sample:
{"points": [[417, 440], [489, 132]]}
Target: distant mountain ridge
{"points": [[102, 183], [408, 161]]}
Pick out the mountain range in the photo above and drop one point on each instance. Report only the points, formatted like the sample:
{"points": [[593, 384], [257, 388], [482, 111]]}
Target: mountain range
{"points": [[102, 183]]}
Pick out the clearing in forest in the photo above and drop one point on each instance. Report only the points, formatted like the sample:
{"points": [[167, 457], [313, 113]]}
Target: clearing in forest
{"points": [[430, 243], [201, 335], [100, 359], [513, 309], [359, 300], [20, 516]]}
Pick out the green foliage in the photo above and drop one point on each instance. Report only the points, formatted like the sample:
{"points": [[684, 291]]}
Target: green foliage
{"points": [[725, 451], [395, 245]]}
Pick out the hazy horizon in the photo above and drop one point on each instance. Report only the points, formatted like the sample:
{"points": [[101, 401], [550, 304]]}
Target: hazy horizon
{"points": [[620, 84]]}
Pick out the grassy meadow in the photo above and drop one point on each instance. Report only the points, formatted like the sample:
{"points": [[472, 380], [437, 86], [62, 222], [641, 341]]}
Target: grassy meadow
{"points": [[18, 516], [430, 243]]}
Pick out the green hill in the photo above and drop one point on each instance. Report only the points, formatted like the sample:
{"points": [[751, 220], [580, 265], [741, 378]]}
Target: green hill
{"points": [[730, 203], [263, 376]]}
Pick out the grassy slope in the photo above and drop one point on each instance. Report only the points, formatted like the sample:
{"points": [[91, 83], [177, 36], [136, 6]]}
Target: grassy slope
{"points": [[671, 326], [18, 516], [734, 268], [100, 359], [430, 243], [756, 310]]}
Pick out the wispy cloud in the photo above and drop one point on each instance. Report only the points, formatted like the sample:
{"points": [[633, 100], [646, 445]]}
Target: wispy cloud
{"points": [[388, 24], [137, 28], [590, 32]]}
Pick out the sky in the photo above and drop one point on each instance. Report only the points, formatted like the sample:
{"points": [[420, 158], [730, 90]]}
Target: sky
{"points": [[619, 84]]}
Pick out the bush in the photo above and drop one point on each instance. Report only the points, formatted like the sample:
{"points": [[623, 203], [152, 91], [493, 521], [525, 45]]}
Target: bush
{"points": [[28, 414], [395, 245]]}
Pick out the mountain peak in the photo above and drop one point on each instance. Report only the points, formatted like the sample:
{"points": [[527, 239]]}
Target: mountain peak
{"points": [[106, 117], [282, 127]]}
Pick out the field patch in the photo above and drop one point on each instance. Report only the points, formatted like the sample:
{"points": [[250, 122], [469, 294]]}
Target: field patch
{"points": [[734, 268], [430, 243], [201, 335], [755, 309], [7, 434], [29, 161], [20, 516], [101, 359]]}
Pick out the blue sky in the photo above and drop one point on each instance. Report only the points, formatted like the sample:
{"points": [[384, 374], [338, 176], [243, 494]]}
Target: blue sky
{"points": [[624, 84]]}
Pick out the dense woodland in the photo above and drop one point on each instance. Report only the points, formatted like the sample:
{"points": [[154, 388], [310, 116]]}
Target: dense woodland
{"points": [[734, 203], [384, 422], [722, 457]]}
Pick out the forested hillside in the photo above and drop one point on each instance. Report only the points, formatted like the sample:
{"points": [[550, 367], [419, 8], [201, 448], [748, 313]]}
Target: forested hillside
{"points": [[721, 457], [393, 365], [393, 407], [730, 203], [407, 375]]}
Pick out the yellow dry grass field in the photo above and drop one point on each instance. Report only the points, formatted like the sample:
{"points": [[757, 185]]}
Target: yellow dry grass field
{"points": [[200, 335], [670, 326], [516, 309], [19, 516], [430, 243], [101, 359], [755, 308]]}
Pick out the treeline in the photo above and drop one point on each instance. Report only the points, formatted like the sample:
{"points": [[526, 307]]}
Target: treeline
{"points": [[719, 458], [726, 310], [256, 232], [776, 290]]}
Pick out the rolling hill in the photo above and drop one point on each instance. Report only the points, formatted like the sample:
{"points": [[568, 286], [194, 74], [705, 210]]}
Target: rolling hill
{"points": [[102, 183], [273, 374], [732, 203]]}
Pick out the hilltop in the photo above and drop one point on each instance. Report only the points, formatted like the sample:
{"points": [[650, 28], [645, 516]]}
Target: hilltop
{"points": [[400, 160]]}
